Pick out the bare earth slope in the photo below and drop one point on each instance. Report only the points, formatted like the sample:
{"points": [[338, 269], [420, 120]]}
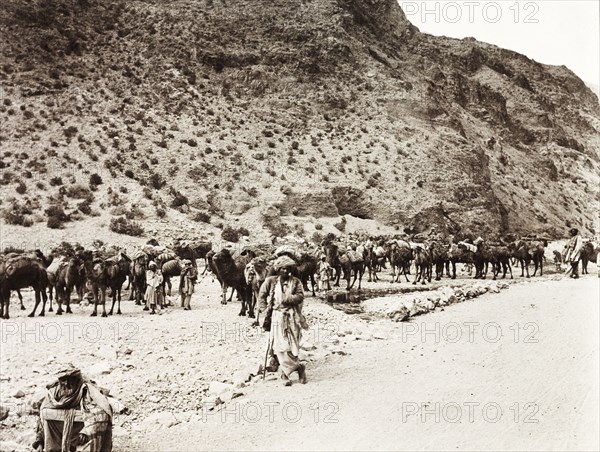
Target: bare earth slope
{"points": [[312, 109], [526, 379]]}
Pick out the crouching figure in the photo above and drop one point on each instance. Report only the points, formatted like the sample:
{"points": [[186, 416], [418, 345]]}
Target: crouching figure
{"points": [[74, 413]]}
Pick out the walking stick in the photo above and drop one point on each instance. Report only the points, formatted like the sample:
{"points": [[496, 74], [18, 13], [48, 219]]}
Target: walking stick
{"points": [[267, 356]]}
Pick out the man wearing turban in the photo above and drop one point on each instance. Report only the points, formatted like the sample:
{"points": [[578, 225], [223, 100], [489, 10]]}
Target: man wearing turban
{"points": [[74, 412], [281, 298]]}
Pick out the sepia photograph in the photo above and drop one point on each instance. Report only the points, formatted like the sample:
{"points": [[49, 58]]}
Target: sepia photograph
{"points": [[299, 225]]}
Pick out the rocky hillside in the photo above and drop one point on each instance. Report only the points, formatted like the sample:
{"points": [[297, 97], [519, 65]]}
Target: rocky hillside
{"points": [[198, 115]]}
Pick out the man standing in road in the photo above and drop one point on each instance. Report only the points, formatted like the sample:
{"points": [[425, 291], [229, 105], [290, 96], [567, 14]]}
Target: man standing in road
{"points": [[281, 298], [573, 252], [186, 284]]}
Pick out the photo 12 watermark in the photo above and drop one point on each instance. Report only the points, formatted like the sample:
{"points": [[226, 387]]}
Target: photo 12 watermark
{"points": [[468, 332], [241, 332], [471, 12], [271, 412], [38, 332], [469, 412]]}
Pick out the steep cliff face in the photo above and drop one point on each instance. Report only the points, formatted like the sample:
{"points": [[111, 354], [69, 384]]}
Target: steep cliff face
{"points": [[343, 104]]}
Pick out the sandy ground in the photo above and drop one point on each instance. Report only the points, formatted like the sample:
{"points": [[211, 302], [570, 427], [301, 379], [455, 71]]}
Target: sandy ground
{"points": [[514, 370]]}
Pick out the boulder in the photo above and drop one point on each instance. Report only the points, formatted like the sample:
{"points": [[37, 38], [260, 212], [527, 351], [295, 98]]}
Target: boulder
{"points": [[241, 377], [217, 388], [19, 394]]}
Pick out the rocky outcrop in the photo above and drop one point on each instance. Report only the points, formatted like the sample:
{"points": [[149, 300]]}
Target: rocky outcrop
{"points": [[343, 101]]}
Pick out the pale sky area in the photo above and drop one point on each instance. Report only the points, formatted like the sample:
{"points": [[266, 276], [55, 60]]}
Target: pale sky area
{"points": [[558, 32]]}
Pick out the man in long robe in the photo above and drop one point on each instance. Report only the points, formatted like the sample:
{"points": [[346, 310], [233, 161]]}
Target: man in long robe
{"points": [[186, 284], [573, 252], [281, 298], [154, 280]]}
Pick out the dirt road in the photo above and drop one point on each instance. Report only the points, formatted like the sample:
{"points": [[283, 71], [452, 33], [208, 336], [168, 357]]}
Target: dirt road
{"points": [[511, 371]]}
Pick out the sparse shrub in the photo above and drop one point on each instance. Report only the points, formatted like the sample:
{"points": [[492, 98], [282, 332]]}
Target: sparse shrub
{"points": [[122, 225], [12, 217], [21, 188], [230, 234], [179, 200], [243, 231], [156, 181], [318, 226], [252, 191], [56, 217], [54, 223], [202, 217], [85, 207], [95, 179], [56, 181], [79, 192], [160, 212], [129, 173], [70, 131], [341, 226]]}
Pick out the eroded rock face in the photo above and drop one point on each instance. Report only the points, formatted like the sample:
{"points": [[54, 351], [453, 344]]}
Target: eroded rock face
{"points": [[352, 201], [311, 203]]}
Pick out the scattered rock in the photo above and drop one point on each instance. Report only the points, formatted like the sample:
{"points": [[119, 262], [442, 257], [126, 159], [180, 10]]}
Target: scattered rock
{"points": [[158, 421], [19, 394], [101, 368], [3, 412]]}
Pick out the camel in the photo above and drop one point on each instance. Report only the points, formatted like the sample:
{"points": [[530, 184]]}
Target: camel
{"points": [[588, 253], [185, 251], [423, 264], [64, 275], [170, 268], [400, 256], [439, 257], [500, 259], [520, 250], [306, 269], [201, 249], [230, 273], [213, 270], [116, 270], [456, 254], [342, 262], [536, 250], [95, 273], [21, 271], [372, 263]]}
